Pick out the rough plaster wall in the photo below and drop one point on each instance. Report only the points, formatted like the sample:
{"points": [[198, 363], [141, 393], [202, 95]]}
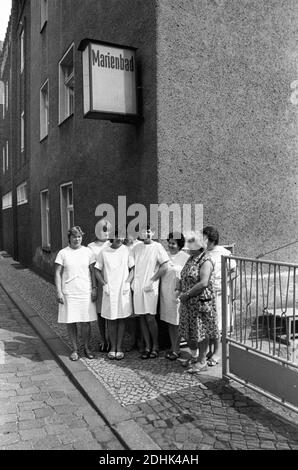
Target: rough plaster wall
{"points": [[227, 130]]}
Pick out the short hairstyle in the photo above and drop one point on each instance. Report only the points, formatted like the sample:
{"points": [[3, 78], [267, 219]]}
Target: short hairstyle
{"points": [[178, 237], [212, 234], [75, 231]]}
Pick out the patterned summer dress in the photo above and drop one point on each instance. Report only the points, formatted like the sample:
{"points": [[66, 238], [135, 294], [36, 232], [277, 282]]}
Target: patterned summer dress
{"points": [[198, 319]]}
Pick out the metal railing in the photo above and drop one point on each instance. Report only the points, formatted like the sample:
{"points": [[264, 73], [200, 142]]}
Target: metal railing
{"points": [[260, 309]]}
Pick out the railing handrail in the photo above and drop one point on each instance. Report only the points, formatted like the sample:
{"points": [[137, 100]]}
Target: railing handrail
{"points": [[254, 260]]}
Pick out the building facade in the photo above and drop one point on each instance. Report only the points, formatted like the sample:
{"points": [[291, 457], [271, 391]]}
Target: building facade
{"points": [[216, 89]]}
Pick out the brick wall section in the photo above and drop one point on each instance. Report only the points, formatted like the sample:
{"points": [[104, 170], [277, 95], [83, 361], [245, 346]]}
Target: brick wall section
{"points": [[227, 131]]}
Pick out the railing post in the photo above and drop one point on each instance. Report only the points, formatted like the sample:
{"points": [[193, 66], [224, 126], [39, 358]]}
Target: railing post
{"points": [[224, 310]]}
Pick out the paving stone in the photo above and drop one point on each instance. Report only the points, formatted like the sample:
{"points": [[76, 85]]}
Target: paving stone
{"points": [[103, 434], [9, 438], [85, 445], [27, 391], [49, 442], [31, 434], [19, 446], [43, 412], [56, 428], [32, 405], [31, 424]]}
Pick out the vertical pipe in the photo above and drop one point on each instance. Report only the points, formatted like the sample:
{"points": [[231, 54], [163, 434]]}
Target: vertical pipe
{"points": [[224, 310], [294, 319], [241, 280], [257, 304], [274, 309]]}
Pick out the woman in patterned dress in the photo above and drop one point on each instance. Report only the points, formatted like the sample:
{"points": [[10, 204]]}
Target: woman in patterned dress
{"points": [[198, 320]]}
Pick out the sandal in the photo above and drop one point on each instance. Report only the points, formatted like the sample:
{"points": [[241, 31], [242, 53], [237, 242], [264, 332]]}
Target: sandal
{"points": [[112, 355], [119, 355], [153, 354], [74, 356], [145, 355], [88, 354], [197, 368], [172, 355], [212, 362]]}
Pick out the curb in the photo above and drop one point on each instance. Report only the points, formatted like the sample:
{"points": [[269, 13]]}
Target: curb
{"points": [[131, 435]]}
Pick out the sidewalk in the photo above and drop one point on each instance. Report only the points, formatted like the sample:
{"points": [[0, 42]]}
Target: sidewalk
{"points": [[172, 409]]}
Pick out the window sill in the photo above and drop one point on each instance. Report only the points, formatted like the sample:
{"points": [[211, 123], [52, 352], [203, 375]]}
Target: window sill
{"points": [[43, 26], [42, 139], [66, 119], [22, 203]]}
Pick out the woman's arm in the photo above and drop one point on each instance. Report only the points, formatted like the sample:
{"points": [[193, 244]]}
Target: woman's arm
{"points": [[160, 272], [93, 282], [205, 272], [99, 276], [131, 275], [58, 283]]}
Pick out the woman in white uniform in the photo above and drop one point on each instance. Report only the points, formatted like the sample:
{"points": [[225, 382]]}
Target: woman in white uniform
{"points": [[169, 291], [150, 264], [103, 228], [76, 290], [112, 271]]}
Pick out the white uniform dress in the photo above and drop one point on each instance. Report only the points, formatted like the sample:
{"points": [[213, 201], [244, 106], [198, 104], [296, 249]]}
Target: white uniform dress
{"points": [[147, 258], [115, 264], [216, 255], [169, 305], [76, 285], [96, 248]]}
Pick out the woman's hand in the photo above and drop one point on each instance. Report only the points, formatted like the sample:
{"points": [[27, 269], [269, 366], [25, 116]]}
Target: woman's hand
{"points": [[148, 287], [184, 297], [106, 289], [126, 288], [94, 294], [60, 297]]}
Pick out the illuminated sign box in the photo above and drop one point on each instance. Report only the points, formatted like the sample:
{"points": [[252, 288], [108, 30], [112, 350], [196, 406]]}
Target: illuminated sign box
{"points": [[109, 81]]}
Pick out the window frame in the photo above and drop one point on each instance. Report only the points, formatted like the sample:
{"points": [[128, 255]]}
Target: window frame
{"points": [[65, 209], [9, 205], [21, 201], [22, 50], [45, 219], [44, 111], [7, 155], [22, 146], [43, 13], [66, 87]]}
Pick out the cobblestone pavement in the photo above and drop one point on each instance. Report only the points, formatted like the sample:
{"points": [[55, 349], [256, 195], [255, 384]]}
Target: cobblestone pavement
{"points": [[177, 410], [39, 407]]}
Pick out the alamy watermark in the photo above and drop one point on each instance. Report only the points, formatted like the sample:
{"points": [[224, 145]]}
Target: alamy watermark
{"points": [[162, 218]]}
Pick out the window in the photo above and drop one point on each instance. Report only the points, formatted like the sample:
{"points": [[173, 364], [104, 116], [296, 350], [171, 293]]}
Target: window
{"points": [[44, 110], [66, 85], [2, 97], [45, 219], [43, 13], [6, 95], [7, 201], [3, 160], [22, 46], [67, 212], [7, 157], [22, 197], [22, 131]]}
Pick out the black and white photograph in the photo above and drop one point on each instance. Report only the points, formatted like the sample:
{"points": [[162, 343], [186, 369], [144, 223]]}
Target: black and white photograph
{"points": [[148, 229]]}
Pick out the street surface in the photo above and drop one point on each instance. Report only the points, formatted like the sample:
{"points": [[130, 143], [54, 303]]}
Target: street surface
{"points": [[40, 408]]}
